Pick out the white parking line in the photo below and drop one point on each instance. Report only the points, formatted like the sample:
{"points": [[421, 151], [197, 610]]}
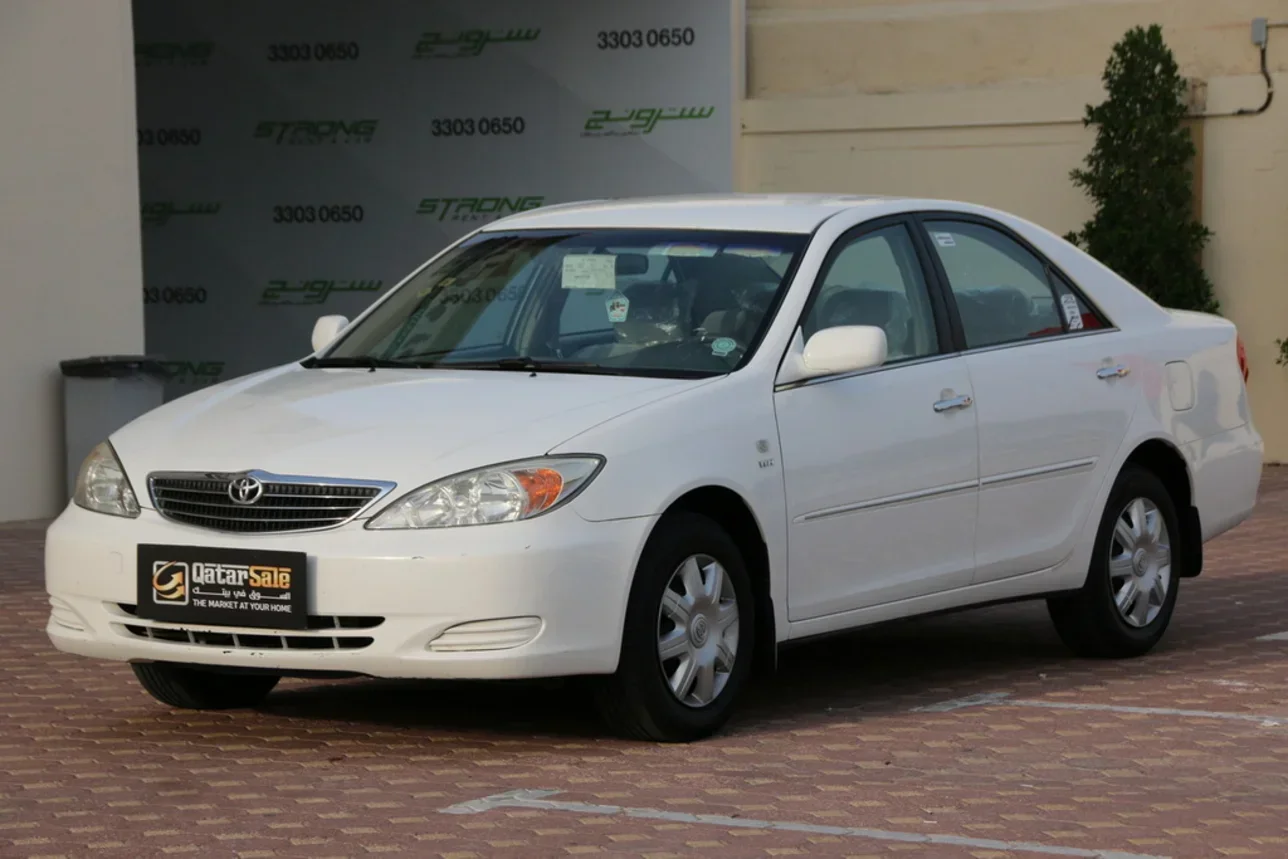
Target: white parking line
{"points": [[1277, 636], [1003, 699], [983, 700], [536, 799]]}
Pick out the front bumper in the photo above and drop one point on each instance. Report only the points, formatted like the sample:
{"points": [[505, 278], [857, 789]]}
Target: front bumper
{"points": [[542, 598]]}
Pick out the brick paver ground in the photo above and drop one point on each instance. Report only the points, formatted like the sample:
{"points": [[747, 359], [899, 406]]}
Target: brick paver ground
{"points": [[90, 766]]}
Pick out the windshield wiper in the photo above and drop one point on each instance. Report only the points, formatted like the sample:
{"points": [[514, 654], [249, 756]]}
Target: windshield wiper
{"points": [[532, 365], [525, 364], [370, 362]]}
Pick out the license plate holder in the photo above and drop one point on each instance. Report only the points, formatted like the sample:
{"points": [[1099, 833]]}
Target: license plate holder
{"points": [[211, 586]]}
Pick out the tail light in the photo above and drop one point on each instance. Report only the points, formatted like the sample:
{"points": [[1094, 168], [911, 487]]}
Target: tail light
{"points": [[1243, 357]]}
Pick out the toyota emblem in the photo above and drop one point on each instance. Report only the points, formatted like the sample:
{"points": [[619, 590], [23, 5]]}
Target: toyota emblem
{"points": [[245, 490]]}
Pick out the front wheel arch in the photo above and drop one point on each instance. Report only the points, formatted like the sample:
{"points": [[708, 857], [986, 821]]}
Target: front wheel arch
{"points": [[731, 512], [640, 700]]}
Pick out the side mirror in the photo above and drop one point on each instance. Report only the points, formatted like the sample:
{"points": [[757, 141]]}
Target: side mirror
{"points": [[845, 349], [326, 329]]}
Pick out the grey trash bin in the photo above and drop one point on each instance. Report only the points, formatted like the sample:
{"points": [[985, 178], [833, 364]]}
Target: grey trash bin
{"points": [[101, 395]]}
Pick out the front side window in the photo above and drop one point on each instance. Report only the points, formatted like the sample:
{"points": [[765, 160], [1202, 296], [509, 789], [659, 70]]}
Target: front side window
{"points": [[876, 279], [640, 302], [1004, 293]]}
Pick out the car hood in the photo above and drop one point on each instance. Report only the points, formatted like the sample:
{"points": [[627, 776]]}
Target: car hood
{"points": [[406, 426]]}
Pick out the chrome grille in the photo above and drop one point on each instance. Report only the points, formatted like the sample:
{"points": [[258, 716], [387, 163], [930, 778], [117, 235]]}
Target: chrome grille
{"points": [[286, 503]]}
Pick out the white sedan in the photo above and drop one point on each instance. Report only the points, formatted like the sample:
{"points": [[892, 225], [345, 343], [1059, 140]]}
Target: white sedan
{"points": [[653, 440]]}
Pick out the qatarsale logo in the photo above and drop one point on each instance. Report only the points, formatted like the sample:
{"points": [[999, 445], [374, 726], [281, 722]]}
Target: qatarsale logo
{"points": [[640, 120], [440, 45], [475, 208], [311, 132]]}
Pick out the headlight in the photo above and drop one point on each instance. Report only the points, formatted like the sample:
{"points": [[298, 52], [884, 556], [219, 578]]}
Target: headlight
{"points": [[102, 486], [500, 493]]}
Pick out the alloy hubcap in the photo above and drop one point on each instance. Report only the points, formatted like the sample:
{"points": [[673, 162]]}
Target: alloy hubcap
{"points": [[1140, 562], [697, 631]]}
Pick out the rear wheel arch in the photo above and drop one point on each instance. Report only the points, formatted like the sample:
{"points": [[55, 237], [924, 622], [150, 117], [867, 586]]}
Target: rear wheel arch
{"points": [[1126, 604], [731, 512], [1162, 459]]}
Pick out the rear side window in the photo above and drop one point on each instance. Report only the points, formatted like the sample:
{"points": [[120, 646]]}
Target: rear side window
{"points": [[1004, 292], [1078, 315]]}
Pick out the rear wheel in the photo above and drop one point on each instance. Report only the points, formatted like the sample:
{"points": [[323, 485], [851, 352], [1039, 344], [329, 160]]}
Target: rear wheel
{"points": [[190, 688], [687, 641], [1126, 604]]}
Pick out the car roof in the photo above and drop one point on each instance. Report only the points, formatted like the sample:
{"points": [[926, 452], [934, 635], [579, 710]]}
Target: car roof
{"points": [[776, 213]]}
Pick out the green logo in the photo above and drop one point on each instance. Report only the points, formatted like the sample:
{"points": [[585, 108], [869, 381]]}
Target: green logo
{"points": [[476, 208], [172, 53], [304, 132], [437, 45], [159, 214], [193, 372], [641, 120], [313, 291]]}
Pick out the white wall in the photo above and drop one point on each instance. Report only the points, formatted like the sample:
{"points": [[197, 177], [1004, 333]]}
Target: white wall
{"points": [[70, 270]]}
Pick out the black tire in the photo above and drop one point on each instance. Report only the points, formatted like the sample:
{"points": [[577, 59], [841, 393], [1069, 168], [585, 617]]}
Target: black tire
{"points": [[1088, 621], [637, 701], [191, 688]]}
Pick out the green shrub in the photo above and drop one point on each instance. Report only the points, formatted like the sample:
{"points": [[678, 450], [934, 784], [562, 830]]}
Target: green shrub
{"points": [[1139, 174]]}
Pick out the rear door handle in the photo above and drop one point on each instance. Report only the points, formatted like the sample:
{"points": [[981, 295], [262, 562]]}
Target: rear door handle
{"points": [[962, 402], [1115, 372]]}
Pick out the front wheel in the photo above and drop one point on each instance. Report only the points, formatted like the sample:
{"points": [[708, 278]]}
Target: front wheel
{"points": [[688, 637], [1125, 605], [190, 688]]}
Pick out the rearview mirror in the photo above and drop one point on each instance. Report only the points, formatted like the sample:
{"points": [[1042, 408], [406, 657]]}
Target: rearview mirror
{"points": [[326, 329], [845, 349], [631, 264]]}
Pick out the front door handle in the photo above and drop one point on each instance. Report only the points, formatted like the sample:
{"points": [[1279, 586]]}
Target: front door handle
{"points": [[1115, 372], [962, 402]]}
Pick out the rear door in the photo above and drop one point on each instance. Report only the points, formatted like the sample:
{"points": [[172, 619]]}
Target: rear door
{"points": [[1054, 393]]}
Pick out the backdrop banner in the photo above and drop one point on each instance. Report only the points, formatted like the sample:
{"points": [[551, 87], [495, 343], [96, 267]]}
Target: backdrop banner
{"points": [[297, 158]]}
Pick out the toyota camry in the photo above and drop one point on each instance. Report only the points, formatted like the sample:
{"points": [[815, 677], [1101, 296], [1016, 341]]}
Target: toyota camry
{"points": [[651, 441]]}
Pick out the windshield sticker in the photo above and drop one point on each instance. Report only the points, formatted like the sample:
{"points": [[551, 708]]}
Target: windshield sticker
{"points": [[1071, 313], [945, 240], [618, 306], [681, 249], [758, 253], [723, 346], [590, 271]]}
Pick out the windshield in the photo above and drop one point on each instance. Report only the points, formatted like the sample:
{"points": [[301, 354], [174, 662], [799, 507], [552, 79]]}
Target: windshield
{"points": [[639, 302]]}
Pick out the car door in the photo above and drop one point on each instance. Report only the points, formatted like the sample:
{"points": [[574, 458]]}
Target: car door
{"points": [[879, 466], [1053, 392]]}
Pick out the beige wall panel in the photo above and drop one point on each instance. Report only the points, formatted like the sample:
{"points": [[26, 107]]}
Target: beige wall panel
{"points": [[70, 269], [981, 100]]}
